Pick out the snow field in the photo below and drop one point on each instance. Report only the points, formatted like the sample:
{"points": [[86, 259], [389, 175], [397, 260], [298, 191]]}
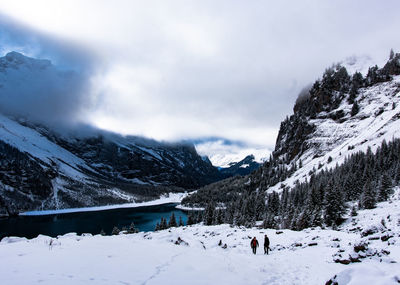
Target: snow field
{"points": [[192, 255]]}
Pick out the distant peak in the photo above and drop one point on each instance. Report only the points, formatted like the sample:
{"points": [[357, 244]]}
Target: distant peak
{"points": [[15, 55], [16, 58]]}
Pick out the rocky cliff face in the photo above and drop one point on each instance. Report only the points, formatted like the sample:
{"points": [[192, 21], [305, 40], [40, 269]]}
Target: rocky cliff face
{"points": [[332, 99], [340, 114]]}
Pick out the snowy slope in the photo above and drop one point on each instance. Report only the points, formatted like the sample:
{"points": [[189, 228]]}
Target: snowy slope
{"points": [[30, 141], [192, 255], [376, 121]]}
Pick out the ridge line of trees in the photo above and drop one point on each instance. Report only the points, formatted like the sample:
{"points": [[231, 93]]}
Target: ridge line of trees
{"points": [[364, 178]]}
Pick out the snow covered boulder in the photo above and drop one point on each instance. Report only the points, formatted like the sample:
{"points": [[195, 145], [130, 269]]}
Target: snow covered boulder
{"points": [[361, 246], [180, 241], [365, 274], [373, 230], [13, 239], [386, 237]]}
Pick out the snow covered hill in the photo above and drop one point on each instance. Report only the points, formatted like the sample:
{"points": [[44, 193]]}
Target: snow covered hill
{"points": [[364, 250]]}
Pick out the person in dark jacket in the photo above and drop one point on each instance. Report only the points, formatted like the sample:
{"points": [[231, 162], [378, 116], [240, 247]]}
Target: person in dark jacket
{"points": [[254, 244], [266, 244]]}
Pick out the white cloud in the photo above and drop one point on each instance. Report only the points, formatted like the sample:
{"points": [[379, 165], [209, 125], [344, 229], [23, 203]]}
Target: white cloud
{"points": [[187, 69]]}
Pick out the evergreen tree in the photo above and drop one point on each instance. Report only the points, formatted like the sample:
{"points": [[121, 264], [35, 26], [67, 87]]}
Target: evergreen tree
{"points": [[209, 214], [316, 218], [335, 206], [287, 218], [397, 173], [352, 94], [181, 224], [132, 229], [304, 219], [115, 231], [172, 221], [384, 187], [163, 224], [273, 203], [353, 211], [372, 75], [229, 212], [190, 220], [355, 109], [269, 222], [357, 80], [260, 205], [293, 222], [368, 197], [219, 217]]}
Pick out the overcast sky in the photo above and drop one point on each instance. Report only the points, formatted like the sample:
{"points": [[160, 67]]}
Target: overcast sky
{"points": [[173, 70]]}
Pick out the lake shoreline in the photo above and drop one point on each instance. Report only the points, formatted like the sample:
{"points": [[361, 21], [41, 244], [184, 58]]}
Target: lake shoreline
{"points": [[107, 222], [171, 198]]}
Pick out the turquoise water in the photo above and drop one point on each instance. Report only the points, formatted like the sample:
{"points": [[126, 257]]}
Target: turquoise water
{"points": [[144, 218]]}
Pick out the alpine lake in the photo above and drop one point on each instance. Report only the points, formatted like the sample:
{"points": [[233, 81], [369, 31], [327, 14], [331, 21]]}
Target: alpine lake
{"points": [[144, 218]]}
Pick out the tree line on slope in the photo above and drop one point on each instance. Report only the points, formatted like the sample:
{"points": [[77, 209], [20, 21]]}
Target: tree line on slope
{"points": [[322, 200]]}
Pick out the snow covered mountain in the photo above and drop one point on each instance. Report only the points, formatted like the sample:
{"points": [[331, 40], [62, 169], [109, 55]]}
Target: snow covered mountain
{"points": [[42, 169], [342, 114], [223, 153], [328, 126], [243, 167]]}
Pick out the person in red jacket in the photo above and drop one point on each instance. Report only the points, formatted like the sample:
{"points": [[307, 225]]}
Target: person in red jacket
{"points": [[254, 244]]}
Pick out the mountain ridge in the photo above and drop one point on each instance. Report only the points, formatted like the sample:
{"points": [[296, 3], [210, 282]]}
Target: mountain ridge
{"points": [[324, 129], [42, 167]]}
